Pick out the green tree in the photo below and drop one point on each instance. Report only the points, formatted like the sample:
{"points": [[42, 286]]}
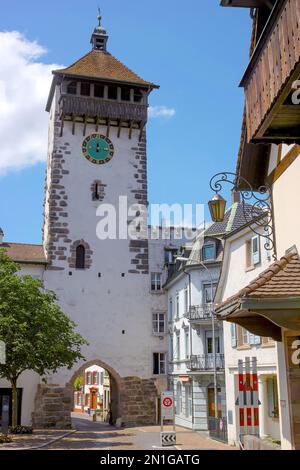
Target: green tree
{"points": [[38, 336], [78, 383]]}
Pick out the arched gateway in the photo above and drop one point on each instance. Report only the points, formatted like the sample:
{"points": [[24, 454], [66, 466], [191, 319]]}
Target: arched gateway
{"points": [[134, 400]]}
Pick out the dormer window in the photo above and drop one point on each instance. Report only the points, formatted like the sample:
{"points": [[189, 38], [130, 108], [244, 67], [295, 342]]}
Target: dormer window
{"points": [[137, 96], [72, 88], [98, 90], [209, 252], [125, 94], [85, 89], [112, 93]]}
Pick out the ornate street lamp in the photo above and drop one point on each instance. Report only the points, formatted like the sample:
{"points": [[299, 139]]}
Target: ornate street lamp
{"points": [[257, 206]]}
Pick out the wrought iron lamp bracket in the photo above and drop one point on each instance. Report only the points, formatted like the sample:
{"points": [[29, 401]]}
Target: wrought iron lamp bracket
{"points": [[257, 206]]}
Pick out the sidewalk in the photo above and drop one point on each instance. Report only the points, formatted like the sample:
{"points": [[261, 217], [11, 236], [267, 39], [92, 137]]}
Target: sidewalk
{"points": [[148, 438]]}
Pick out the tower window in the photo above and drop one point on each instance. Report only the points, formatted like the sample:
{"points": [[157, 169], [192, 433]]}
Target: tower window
{"points": [[100, 44], [98, 90], [85, 89], [80, 257], [125, 94], [72, 88], [137, 96], [112, 92]]}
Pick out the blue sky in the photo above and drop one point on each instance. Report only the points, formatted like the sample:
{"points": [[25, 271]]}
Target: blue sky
{"points": [[195, 50]]}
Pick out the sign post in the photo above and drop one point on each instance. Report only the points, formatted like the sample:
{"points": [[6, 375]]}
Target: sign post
{"points": [[167, 438]]}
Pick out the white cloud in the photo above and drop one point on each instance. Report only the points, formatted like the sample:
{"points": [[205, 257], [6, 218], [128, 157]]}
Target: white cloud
{"points": [[161, 111], [24, 87]]}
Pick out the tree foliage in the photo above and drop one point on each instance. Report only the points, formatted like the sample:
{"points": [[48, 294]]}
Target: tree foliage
{"points": [[38, 336]]}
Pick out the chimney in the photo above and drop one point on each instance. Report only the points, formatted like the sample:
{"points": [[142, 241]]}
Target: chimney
{"points": [[1, 235], [235, 197]]}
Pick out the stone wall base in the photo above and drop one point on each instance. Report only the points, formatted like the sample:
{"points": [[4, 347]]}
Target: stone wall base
{"points": [[138, 401], [52, 408]]}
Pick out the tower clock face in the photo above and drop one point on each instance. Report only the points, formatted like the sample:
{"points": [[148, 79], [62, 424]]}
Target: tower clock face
{"points": [[98, 149]]}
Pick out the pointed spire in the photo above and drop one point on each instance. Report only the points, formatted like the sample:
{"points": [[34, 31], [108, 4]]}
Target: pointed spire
{"points": [[99, 37]]}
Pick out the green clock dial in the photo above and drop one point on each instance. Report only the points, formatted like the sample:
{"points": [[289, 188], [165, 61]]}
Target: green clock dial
{"points": [[98, 149]]}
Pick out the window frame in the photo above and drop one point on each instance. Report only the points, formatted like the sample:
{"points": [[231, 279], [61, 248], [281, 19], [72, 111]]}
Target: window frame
{"points": [[206, 245], [156, 282], [161, 361], [157, 322]]}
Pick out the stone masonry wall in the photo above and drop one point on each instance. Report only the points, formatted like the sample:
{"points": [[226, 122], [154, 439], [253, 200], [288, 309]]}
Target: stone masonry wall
{"points": [[138, 401], [52, 408]]}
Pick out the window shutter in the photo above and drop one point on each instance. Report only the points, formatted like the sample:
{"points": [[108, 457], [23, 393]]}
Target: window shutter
{"points": [[233, 335], [255, 250]]}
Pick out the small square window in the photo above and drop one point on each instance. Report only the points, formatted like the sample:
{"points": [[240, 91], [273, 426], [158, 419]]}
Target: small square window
{"points": [[125, 94], [98, 90], [112, 93], [137, 96], [85, 89], [72, 88]]}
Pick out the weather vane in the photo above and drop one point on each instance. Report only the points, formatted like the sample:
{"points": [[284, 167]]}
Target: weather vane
{"points": [[99, 17]]}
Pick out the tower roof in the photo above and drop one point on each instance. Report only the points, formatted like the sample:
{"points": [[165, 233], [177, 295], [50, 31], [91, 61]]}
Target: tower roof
{"points": [[102, 65]]}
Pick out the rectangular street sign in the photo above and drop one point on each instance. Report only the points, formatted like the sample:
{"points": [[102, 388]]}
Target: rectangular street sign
{"points": [[167, 406], [168, 438]]}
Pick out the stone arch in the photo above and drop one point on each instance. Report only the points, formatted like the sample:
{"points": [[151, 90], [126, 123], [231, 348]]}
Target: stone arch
{"points": [[116, 381]]}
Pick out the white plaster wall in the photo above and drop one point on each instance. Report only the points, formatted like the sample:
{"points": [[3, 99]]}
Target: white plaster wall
{"points": [[236, 276], [28, 380]]}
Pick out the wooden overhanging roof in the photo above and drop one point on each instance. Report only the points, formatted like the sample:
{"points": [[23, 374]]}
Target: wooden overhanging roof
{"points": [[269, 302], [103, 66], [25, 253]]}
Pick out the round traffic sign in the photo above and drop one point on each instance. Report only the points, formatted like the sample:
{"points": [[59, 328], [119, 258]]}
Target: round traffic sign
{"points": [[167, 402]]}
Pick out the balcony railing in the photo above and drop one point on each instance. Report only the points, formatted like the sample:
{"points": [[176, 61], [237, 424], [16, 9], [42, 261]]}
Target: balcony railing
{"points": [[93, 107], [274, 67], [199, 313], [206, 362]]}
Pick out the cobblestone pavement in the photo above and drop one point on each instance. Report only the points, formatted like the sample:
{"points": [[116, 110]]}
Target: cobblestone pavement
{"points": [[91, 435]]}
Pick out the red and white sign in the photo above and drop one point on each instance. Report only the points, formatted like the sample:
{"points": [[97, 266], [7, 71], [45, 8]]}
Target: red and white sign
{"points": [[167, 405]]}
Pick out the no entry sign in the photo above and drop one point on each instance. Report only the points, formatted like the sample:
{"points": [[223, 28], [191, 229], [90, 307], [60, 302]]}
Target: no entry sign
{"points": [[167, 406]]}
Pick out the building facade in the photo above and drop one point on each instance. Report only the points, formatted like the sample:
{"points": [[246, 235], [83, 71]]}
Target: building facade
{"points": [[109, 284], [269, 154], [196, 346], [246, 257]]}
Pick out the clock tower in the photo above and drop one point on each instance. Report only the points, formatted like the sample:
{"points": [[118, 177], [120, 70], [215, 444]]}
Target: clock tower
{"points": [[97, 153]]}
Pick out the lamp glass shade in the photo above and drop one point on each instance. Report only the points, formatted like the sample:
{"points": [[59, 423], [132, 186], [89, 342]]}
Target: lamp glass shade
{"points": [[217, 206]]}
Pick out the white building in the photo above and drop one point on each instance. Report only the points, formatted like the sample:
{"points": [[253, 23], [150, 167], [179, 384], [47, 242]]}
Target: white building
{"points": [[245, 256], [191, 288], [111, 288], [90, 396]]}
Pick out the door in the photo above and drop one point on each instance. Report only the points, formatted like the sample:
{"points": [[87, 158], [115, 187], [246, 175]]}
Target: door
{"points": [[93, 399], [8, 392], [211, 403]]}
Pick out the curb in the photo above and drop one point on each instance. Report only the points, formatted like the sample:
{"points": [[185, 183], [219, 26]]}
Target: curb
{"points": [[45, 444]]}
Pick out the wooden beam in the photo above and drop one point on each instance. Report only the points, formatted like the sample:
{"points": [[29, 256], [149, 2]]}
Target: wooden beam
{"points": [[142, 126], [84, 125], [130, 128], [62, 125], [108, 128], [119, 127], [97, 124], [73, 125]]}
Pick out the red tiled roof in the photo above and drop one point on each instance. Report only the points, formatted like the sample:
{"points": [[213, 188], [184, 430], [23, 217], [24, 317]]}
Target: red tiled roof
{"points": [[280, 280], [25, 253], [102, 65]]}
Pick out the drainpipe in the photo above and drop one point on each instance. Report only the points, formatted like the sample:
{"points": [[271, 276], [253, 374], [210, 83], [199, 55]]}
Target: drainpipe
{"points": [[191, 342]]}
